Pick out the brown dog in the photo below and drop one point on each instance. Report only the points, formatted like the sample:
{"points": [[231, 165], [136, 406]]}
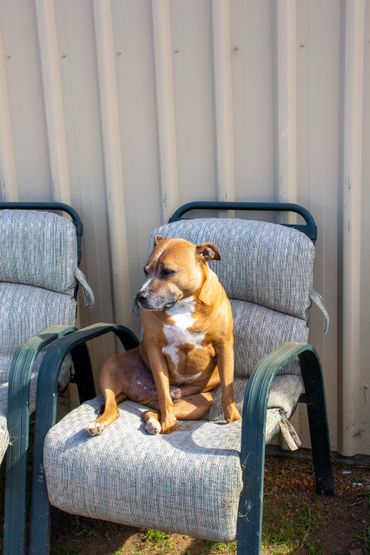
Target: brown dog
{"points": [[187, 348]]}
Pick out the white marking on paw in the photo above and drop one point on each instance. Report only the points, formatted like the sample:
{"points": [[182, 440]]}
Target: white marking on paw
{"points": [[95, 428], [153, 426]]}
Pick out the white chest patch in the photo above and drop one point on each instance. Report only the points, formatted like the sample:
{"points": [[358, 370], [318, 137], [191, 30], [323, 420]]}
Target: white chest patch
{"points": [[177, 333]]}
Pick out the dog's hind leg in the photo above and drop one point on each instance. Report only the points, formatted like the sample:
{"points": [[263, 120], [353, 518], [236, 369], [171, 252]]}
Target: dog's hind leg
{"points": [[193, 407], [111, 387], [110, 413], [123, 376]]}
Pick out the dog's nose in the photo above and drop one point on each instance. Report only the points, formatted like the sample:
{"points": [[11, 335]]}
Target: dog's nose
{"points": [[141, 296]]}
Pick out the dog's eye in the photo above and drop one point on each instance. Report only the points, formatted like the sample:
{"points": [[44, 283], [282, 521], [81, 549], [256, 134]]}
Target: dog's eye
{"points": [[167, 272]]}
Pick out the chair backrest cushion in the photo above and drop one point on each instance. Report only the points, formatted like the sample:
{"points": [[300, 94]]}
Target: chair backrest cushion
{"points": [[263, 263], [258, 331], [38, 248], [26, 311]]}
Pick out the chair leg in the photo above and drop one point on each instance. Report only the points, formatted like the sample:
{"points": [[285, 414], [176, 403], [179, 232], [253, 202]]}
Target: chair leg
{"points": [[252, 460], [15, 481], [83, 377], [18, 424], [45, 419], [250, 512], [40, 510], [318, 422]]}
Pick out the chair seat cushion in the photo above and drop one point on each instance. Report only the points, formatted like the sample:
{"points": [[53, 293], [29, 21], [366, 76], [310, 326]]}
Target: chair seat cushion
{"points": [[5, 362], [188, 481]]}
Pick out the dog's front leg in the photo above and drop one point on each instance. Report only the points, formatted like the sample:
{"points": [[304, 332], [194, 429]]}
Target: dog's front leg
{"points": [[225, 363], [159, 370]]}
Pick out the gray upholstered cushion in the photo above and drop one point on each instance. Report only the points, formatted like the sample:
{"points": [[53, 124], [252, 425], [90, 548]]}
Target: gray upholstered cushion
{"points": [[188, 481], [5, 362], [26, 311], [263, 263], [258, 331], [38, 248], [38, 277]]}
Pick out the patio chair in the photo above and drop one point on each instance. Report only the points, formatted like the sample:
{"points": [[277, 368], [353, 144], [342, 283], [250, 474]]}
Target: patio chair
{"points": [[207, 479], [40, 252]]}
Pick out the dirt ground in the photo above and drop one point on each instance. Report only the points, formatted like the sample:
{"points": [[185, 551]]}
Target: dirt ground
{"points": [[296, 520]]}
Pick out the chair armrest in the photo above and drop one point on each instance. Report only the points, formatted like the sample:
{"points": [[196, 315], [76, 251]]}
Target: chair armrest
{"points": [[56, 353], [20, 374], [259, 383], [252, 455]]}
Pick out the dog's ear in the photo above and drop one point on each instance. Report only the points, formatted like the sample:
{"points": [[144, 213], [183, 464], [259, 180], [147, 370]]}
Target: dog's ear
{"points": [[208, 251], [158, 239]]}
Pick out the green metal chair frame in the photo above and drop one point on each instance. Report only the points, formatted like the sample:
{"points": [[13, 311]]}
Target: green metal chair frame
{"points": [[252, 456], [18, 417]]}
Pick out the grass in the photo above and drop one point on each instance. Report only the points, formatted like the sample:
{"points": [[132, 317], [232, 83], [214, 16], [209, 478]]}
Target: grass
{"points": [[365, 541], [365, 536], [288, 533], [159, 538]]}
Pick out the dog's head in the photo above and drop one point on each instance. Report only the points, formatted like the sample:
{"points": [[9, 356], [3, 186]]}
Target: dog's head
{"points": [[175, 270]]}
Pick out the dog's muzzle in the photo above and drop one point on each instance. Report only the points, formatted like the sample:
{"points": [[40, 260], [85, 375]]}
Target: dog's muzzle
{"points": [[148, 301]]}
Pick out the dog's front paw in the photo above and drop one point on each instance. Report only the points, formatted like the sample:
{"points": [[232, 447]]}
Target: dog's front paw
{"points": [[169, 426], [153, 426], [95, 428], [232, 413]]}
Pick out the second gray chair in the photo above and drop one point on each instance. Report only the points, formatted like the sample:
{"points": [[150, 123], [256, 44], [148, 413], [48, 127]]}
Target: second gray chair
{"points": [[40, 252]]}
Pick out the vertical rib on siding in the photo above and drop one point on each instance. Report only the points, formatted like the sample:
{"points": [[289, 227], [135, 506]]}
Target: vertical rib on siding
{"points": [[52, 85], [8, 179], [165, 105], [352, 174], [286, 25], [223, 99], [112, 157]]}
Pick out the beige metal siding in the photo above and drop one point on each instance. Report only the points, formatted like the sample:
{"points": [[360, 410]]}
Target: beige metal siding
{"points": [[128, 108]]}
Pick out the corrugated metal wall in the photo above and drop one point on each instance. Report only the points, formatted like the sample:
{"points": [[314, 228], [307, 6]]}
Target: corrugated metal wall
{"points": [[128, 108]]}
